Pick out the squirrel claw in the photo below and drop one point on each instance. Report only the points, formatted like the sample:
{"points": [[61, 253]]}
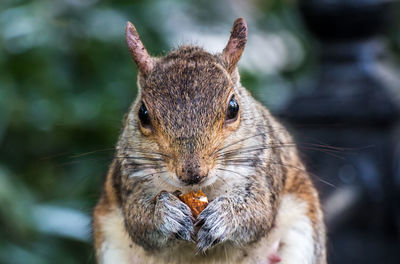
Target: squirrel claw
{"points": [[199, 222], [175, 217], [215, 225]]}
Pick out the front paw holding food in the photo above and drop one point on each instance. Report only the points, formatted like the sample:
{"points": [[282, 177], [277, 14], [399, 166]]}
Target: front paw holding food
{"points": [[173, 217], [217, 224]]}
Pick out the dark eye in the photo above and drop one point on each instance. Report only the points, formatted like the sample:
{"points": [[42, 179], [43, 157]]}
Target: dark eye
{"points": [[144, 115], [233, 109]]}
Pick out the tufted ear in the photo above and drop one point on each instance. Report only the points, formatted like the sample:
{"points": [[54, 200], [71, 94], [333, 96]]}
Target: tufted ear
{"points": [[139, 53], [236, 43]]}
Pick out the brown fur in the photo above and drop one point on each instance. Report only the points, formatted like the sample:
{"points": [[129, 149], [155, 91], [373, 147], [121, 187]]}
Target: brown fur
{"points": [[245, 166]]}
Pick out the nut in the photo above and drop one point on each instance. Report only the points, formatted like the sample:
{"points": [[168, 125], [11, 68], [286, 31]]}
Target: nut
{"points": [[197, 201]]}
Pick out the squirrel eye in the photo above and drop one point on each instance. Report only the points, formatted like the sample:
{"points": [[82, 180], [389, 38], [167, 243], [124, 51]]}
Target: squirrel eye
{"points": [[233, 109], [144, 115]]}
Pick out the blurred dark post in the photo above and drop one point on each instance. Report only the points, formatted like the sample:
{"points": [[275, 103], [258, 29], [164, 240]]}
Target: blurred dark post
{"points": [[350, 112]]}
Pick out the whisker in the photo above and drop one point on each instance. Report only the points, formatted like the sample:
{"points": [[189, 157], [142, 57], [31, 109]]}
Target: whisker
{"points": [[247, 138], [78, 161], [139, 158], [90, 152], [326, 146], [219, 177], [148, 152], [236, 152], [164, 180], [154, 173], [236, 142], [243, 163], [302, 145], [142, 164], [326, 151], [304, 170], [231, 171], [72, 156], [240, 159], [136, 169], [323, 181]]}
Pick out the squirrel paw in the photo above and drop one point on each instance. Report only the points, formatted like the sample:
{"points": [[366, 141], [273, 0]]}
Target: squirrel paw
{"points": [[216, 224], [173, 216]]}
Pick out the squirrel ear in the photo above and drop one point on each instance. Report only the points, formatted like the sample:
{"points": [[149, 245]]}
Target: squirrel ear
{"points": [[139, 53], [236, 43]]}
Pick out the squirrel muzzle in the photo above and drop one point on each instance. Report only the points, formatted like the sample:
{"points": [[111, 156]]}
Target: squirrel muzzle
{"points": [[191, 170], [191, 167]]}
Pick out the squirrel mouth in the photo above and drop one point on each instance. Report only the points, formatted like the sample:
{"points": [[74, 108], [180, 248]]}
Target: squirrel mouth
{"points": [[191, 184], [194, 180], [191, 175]]}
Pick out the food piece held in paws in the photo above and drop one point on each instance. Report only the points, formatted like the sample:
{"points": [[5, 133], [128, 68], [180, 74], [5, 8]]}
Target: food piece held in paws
{"points": [[197, 201]]}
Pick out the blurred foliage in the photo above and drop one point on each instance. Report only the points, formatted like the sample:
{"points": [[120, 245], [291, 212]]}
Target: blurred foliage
{"points": [[66, 79]]}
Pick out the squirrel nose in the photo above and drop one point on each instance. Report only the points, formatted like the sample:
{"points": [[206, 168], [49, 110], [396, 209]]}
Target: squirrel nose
{"points": [[191, 175], [193, 179]]}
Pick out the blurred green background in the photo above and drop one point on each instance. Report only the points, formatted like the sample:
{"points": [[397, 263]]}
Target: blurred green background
{"points": [[66, 80]]}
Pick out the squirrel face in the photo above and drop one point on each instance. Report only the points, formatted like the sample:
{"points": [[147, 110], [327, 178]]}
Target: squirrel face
{"points": [[187, 105]]}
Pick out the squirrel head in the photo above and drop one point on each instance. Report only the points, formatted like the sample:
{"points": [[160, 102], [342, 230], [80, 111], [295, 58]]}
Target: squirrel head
{"points": [[188, 104]]}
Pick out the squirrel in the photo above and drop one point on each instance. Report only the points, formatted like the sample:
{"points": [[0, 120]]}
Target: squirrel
{"points": [[194, 126]]}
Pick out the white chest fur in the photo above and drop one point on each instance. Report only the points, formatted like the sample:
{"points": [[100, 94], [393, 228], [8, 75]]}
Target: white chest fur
{"points": [[293, 229]]}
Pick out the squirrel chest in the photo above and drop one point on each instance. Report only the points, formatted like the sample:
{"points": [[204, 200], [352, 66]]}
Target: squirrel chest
{"points": [[194, 127]]}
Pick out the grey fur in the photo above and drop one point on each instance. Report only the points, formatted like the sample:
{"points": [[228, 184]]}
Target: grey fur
{"points": [[250, 163], [176, 218]]}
